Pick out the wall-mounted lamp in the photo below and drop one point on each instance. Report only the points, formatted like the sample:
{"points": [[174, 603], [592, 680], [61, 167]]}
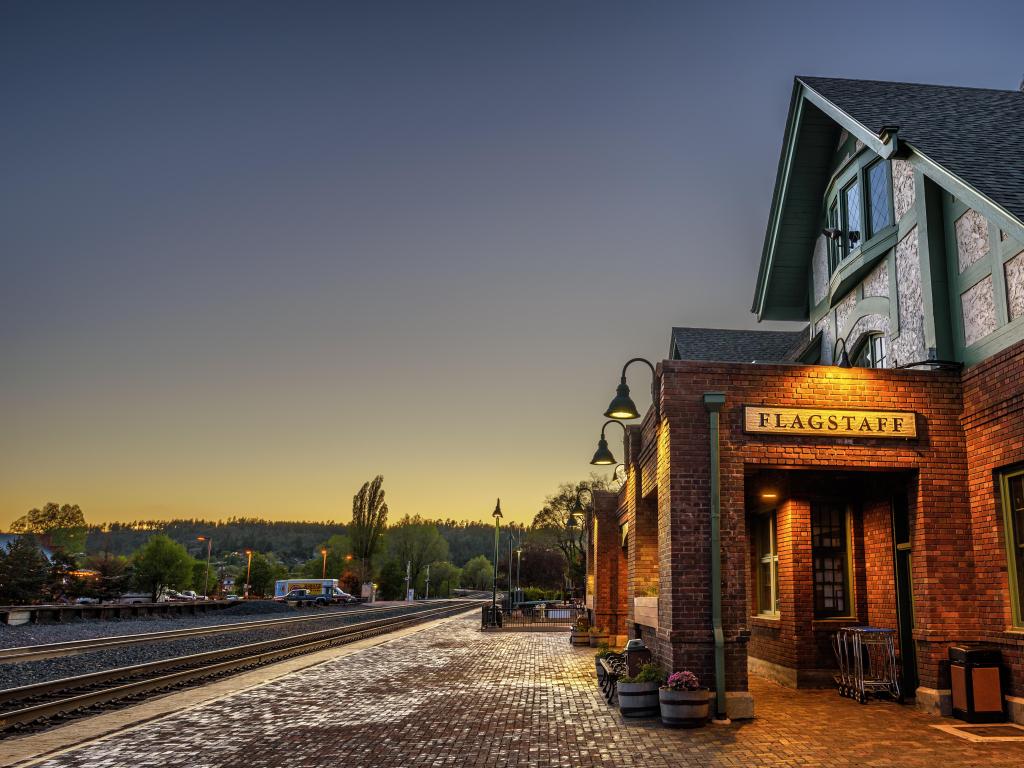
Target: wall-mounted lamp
{"points": [[622, 406], [832, 233], [769, 495], [844, 359], [603, 456]]}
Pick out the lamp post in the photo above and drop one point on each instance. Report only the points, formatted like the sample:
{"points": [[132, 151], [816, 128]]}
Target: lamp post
{"points": [[206, 578], [323, 551], [622, 405], [426, 591], [603, 456], [496, 514], [519, 566], [248, 571]]}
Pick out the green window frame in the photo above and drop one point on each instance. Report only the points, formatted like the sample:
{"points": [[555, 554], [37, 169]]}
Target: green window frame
{"points": [[859, 205], [853, 216], [767, 564], [879, 197], [1012, 491], [830, 556]]}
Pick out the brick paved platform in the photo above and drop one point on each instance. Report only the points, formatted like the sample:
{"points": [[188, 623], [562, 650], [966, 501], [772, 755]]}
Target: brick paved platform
{"points": [[451, 695]]}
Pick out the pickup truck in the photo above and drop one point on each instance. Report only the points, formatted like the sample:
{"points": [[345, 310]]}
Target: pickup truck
{"points": [[303, 597]]}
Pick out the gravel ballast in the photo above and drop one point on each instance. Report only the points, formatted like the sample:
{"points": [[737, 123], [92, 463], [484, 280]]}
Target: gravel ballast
{"points": [[27, 673]]}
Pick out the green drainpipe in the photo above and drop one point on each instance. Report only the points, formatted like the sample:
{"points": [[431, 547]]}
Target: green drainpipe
{"points": [[713, 402]]}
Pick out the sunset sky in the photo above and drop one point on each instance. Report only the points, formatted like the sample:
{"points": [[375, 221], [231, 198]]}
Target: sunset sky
{"points": [[255, 253]]}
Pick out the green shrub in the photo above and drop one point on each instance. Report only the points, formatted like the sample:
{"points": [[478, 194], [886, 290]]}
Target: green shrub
{"points": [[603, 650], [649, 673]]}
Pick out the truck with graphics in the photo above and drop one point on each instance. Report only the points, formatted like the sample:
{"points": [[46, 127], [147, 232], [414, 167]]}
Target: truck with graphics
{"points": [[317, 591]]}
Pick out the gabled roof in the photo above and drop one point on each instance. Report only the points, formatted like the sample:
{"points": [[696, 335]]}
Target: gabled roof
{"points": [[975, 133], [725, 345], [971, 139]]}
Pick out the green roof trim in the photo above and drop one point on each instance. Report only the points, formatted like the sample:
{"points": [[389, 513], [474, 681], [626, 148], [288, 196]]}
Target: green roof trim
{"points": [[959, 137]]}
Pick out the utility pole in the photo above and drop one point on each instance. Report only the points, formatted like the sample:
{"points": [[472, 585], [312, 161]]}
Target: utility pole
{"points": [[408, 577], [209, 549], [426, 594]]}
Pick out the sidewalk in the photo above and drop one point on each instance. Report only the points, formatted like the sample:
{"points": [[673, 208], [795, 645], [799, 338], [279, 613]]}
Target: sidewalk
{"points": [[454, 696]]}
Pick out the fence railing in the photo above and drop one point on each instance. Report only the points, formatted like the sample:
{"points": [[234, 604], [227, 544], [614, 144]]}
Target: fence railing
{"points": [[548, 615]]}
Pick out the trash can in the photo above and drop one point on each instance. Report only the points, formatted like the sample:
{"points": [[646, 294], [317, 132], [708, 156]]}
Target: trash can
{"points": [[974, 672], [637, 654]]}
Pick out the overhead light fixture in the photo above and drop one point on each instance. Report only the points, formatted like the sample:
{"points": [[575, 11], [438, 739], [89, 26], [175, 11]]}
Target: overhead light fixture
{"points": [[603, 456], [832, 233], [622, 406], [769, 495]]}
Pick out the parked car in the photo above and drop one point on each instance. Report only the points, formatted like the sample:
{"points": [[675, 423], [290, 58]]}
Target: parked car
{"points": [[188, 595], [87, 601], [303, 597], [232, 598]]}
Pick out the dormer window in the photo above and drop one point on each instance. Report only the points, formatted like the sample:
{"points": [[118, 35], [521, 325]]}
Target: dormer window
{"points": [[879, 207], [852, 230], [859, 208]]}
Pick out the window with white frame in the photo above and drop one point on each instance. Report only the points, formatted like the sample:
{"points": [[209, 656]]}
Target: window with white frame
{"points": [[767, 551], [873, 352]]}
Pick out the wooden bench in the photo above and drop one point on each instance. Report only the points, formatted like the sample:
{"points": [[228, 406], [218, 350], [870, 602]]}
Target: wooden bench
{"points": [[614, 666]]}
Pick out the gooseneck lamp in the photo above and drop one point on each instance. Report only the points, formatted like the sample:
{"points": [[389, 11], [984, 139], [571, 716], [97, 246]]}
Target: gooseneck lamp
{"points": [[622, 406], [603, 456], [844, 358]]}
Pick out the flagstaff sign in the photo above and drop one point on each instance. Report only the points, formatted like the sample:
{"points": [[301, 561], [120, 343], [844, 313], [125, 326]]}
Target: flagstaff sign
{"points": [[827, 422]]}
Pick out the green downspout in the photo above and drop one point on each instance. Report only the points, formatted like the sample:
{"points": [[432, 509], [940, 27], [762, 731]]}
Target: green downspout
{"points": [[713, 402]]}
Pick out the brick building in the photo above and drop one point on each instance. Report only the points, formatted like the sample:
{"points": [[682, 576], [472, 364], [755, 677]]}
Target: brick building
{"points": [[889, 492]]}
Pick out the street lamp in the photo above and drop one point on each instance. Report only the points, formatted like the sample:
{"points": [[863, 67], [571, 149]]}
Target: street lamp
{"points": [[603, 456], [323, 551], [209, 549], [622, 405], [248, 571], [496, 514]]}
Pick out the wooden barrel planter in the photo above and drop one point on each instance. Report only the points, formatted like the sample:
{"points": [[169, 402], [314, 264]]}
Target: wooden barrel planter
{"points": [[598, 636], [638, 699], [579, 637], [683, 709]]}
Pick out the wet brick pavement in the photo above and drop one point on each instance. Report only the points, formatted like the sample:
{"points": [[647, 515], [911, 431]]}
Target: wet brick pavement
{"points": [[453, 696]]}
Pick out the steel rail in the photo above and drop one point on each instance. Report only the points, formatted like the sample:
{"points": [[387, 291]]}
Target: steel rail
{"points": [[74, 647], [211, 663]]}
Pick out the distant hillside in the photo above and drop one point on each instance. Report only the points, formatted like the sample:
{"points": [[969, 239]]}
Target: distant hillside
{"points": [[292, 542]]}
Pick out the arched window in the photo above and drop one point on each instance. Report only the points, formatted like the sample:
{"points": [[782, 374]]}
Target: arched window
{"points": [[872, 352]]}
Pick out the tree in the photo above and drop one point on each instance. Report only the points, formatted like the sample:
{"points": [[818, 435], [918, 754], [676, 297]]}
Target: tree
{"points": [[161, 564], [553, 522], [61, 526], [391, 583], [443, 577], [369, 518], [23, 571], [339, 560], [114, 575], [266, 569], [417, 542], [478, 573]]}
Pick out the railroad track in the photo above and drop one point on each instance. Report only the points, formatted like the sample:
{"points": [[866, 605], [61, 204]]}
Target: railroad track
{"points": [[74, 647], [41, 703]]}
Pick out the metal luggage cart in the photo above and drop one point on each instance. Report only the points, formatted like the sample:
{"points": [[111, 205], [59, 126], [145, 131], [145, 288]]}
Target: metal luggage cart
{"points": [[867, 663]]}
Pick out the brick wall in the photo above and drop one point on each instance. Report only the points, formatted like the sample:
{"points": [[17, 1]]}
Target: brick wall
{"points": [[970, 425], [993, 423], [610, 602]]}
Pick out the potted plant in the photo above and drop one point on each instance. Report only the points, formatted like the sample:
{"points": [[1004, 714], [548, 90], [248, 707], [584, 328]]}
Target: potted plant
{"points": [[638, 695], [580, 634], [598, 637], [603, 651], [684, 703]]}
